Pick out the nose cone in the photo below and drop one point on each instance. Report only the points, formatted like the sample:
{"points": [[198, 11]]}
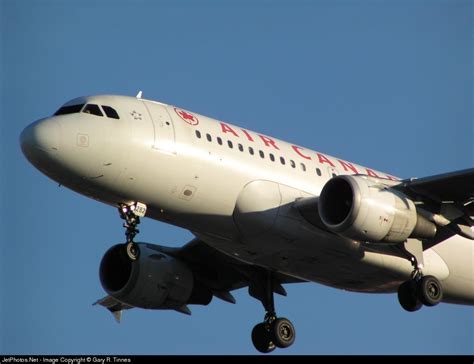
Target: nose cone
{"points": [[40, 141]]}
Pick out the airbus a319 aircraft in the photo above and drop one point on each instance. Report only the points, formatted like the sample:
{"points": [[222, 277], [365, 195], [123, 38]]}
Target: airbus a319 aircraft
{"points": [[264, 213]]}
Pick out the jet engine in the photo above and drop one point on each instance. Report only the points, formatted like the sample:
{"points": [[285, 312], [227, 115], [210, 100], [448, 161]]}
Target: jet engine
{"points": [[155, 280], [364, 209]]}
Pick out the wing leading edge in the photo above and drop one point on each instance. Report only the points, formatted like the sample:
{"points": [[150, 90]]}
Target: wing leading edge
{"points": [[449, 187]]}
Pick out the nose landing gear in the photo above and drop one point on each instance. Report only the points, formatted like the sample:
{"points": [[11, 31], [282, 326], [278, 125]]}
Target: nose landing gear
{"points": [[131, 214]]}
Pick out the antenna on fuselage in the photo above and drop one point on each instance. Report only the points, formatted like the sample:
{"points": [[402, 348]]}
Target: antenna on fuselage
{"points": [[139, 94]]}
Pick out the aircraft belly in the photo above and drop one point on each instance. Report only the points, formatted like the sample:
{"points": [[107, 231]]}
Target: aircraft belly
{"points": [[314, 260]]}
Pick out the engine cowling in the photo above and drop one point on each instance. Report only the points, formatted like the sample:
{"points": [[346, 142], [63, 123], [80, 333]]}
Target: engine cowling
{"points": [[156, 280], [364, 209]]}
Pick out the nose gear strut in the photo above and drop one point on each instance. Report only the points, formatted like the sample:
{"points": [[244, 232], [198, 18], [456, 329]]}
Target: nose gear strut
{"points": [[131, 214]]}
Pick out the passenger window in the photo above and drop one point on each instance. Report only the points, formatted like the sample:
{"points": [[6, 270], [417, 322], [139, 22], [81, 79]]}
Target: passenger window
{"points": [[241, 147], [92, 109], [208, 137], [219, 140], [292, 163], [229, 143], [251, 150], [303, 167], [262, 155], [272, 157], [110, 112], [69, 109], [282, 160], [198, 134], [318, 172]]}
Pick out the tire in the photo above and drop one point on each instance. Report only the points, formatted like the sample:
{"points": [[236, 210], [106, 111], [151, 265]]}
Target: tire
{"points": [[283, 332], [261, 339], [133, 251], [430, 291], [407, 296]]}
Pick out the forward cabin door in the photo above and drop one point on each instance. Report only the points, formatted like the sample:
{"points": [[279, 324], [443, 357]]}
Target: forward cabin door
{"points": [[163, 128]]}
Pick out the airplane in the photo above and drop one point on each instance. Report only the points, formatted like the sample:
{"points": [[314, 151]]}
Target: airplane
{"points": [[263, 213]]}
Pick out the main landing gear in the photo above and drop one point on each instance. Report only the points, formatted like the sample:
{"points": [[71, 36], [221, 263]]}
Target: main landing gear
{"points": [[274, 331], [419, 290], [131, 214]]}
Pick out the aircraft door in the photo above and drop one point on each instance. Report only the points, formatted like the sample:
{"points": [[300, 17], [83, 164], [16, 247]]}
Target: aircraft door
{"points": [[163, 128]]}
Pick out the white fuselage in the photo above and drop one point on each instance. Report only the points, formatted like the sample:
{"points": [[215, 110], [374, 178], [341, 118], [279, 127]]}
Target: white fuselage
{"points": [[234, 189]]}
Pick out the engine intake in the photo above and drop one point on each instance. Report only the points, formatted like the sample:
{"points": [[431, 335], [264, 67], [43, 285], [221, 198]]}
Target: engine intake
{"points": [[156, 280], [366, 210]]}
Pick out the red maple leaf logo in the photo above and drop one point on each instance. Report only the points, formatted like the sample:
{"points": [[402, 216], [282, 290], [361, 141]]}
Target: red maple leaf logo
{"points": [[187, 117]]}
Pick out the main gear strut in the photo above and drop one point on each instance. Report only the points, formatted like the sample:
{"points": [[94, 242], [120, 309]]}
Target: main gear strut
{"points": [[420, 289], [131, 214], [274, 331]]}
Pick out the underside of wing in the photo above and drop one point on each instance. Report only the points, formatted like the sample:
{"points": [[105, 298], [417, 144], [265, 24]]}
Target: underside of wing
{"points": [[220, 272]]}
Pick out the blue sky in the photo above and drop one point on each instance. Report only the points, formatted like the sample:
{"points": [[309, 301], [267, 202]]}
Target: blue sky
{"points": [[387, 84]]}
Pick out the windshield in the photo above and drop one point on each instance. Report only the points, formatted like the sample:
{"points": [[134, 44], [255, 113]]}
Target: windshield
{"points": [[92, 109], [69, 109]]}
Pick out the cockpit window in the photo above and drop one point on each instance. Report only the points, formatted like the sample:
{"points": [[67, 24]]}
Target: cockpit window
{"points": [[69, 109], [110, 112], [93, 109], [89, 109]]}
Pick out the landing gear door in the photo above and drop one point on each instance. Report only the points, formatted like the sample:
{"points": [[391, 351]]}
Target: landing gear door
{"points": [[163, 128]]}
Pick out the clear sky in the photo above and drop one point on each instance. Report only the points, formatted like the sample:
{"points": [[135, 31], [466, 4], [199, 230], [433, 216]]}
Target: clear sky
{"points": [[387, 84]]}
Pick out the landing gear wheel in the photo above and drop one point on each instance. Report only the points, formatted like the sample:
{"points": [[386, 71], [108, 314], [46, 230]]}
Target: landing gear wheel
{"points": [[133, 251], [430, 291], [273, 331], [407, 296], [262, 339], [283, 332]]}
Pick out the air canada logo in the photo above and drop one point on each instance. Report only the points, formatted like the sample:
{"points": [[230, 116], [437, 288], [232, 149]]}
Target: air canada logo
{"points": [[187, 117]]}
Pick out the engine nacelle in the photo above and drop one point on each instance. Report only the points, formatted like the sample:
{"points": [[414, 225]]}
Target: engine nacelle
{"points": [[156, 280], [363, 209]]}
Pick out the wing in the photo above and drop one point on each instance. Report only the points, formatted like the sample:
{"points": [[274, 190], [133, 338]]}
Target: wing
{"points": [[449, 187], [215, 271], [449, 198]]}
